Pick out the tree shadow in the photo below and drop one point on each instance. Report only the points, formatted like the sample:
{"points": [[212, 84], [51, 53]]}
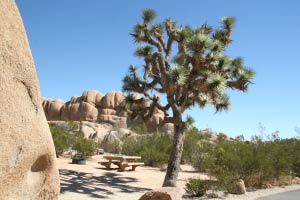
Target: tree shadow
{"points": [[94, 186]]}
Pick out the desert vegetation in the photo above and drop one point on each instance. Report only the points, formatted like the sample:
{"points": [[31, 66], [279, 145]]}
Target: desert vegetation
{"points": [[72, 139], [260, 162]]}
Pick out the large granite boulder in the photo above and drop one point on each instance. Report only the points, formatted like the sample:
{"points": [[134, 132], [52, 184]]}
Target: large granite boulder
{"points": [[112, 100], [78, 110], [27, 157], [110, 140], [110, 116], [93, 97], [53, 108], [154, 123]]}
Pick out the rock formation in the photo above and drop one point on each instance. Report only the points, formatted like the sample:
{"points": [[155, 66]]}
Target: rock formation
{"points": [[94, 107], [27, 157], [102, 133]]}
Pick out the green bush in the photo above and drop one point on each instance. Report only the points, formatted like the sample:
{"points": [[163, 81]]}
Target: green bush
{"points": [[153, 148], [257, 162], [140, 129], [191, 141], [113, 147], [62, 140], [196, 187], [133, 146], [84, 147], [156, 149]]}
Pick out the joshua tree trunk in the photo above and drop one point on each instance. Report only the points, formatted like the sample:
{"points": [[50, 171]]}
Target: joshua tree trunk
{"points": [[175, 156]]}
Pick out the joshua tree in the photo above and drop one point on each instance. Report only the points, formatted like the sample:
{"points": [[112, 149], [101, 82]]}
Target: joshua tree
{"points": [[199, 72]]}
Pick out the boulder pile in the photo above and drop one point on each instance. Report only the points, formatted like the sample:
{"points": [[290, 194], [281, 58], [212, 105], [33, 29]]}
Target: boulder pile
{"points": [[93, 106]]}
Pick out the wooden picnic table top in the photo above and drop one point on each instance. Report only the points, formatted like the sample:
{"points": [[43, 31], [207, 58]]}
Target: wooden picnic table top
{"points": [[121, 157]]}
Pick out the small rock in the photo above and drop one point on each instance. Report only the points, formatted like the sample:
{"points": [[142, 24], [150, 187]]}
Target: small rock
{"points": [[237, 187], [164, 193]]}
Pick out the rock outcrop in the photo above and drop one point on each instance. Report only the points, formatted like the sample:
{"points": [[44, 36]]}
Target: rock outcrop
{"points": [[102, 133], [27, 157], [95, 107]]}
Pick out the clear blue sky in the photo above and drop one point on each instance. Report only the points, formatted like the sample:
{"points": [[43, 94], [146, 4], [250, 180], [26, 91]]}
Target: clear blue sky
{"points": [[79, 45]]}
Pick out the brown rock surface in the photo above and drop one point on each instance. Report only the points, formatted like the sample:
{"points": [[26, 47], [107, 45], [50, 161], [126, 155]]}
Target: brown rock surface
{"points": [[112, 100], [53, 108], [110, 140], [27, 158], [88, 112], [164, 193], [237, 187], [93, 97], [65, 112], [94, 107]]}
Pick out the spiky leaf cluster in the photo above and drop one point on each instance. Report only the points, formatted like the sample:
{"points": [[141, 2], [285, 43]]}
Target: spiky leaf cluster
{"points": [[178, 75], [143, 51], [200, 72], [148, 15]]}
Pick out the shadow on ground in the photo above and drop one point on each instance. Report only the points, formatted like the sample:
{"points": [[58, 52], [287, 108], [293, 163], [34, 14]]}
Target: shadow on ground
{"points": [[94, 186]]}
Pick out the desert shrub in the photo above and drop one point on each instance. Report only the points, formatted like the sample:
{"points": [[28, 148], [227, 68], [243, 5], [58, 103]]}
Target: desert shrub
{"points": [[201, 156], [62, 140], [132, 146], [113, 147], [84, 147], [292, 151], [156, 149], [153, 148], [140, 129], [191, 141], [257, 162], [196, 187]]}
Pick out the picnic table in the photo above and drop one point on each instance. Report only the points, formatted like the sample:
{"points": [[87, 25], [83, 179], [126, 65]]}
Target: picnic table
{"points": [[122, 161]]}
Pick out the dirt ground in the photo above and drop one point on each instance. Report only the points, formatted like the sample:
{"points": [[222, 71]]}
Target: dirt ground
{"points": [[93, 181]]}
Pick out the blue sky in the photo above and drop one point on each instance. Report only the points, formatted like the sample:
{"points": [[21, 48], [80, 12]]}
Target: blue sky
{"points": [[79, 45]]}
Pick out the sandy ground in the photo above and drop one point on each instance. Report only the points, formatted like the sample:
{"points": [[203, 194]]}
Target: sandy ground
{"points": [[93, 181]]}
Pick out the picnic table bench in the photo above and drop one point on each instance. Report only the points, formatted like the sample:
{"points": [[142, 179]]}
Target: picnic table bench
{"points": [[122, 162]]}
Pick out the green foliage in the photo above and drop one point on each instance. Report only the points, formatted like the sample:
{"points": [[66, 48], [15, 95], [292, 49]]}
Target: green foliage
{"points": [[198, 43], [153, 148], [148, 15], [73, 126], [196, 187], [129, 84], [140, 129], [178, 75], [84, 147], [62, 140], [202, 68], [114, 147], [143, 51], [132, 146], [191, 141], [257, 162], [228, 22]]}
